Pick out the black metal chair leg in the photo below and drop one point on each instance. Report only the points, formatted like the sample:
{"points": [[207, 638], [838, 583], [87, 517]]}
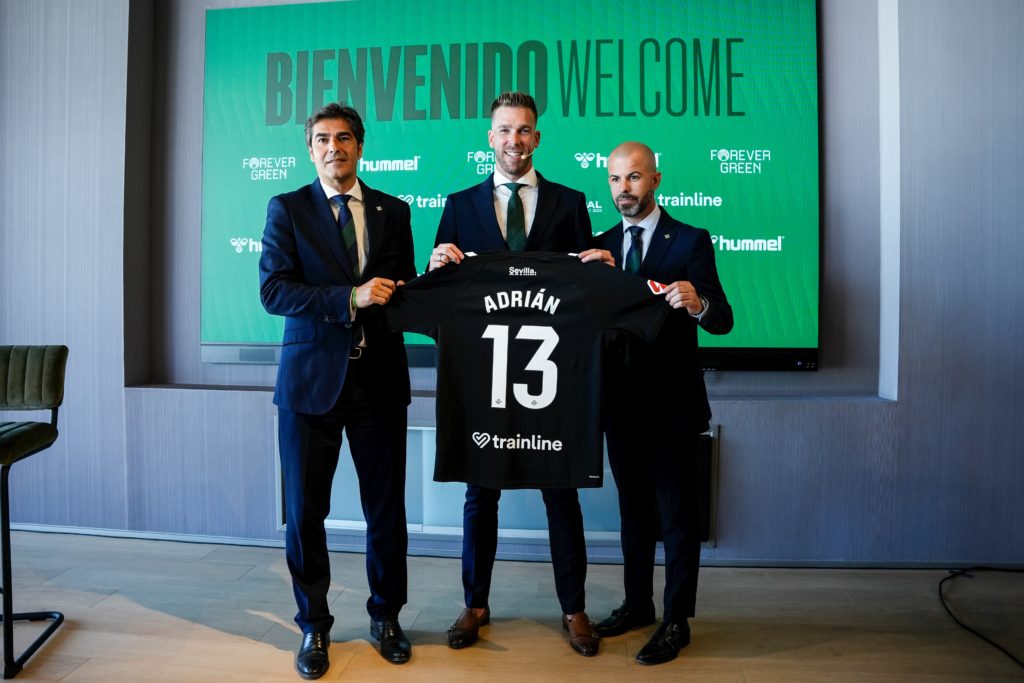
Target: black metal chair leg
{"points": [[11, 665]]}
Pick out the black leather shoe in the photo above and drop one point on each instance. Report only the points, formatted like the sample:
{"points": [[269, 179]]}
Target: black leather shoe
{"points": [[394, 646], [466, 629], [312, 661], [625, 618], [665, 644]]}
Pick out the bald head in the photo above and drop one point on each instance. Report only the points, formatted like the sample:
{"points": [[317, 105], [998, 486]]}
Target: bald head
{"points": [[633, 177], [639, 150]]}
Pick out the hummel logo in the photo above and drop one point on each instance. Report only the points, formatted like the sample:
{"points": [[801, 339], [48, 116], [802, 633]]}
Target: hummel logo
{"points": [[585, 158], [250, 244]]}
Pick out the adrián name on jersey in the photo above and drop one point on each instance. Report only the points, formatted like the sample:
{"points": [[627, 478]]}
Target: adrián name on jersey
{"points": [[521, 299]]}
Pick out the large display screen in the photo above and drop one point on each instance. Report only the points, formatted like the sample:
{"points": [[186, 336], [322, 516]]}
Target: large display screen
{"points": [[724, 91]]}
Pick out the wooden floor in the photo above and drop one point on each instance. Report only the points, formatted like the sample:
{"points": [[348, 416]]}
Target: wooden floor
{"points": [[140, 610]]}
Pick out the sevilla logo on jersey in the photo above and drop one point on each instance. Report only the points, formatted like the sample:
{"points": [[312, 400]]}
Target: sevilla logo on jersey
{"points": [[657, 287]]}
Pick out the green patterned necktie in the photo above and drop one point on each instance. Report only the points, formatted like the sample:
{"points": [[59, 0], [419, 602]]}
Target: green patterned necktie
{"points": [[515, 222], [635, 255], [348, 230]]}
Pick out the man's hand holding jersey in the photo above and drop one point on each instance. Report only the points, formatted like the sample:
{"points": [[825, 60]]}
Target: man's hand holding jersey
{"points": [[682, 294], [375, 291]]}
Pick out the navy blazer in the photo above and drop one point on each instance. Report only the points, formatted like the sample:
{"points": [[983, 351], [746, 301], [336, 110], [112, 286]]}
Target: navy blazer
{"points": [[306, 277], [666, 375], [561, 222]]}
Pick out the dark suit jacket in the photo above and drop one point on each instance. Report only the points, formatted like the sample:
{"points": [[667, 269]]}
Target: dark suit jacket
{"points": [[665, 378], [561, 222], [305, 276]]}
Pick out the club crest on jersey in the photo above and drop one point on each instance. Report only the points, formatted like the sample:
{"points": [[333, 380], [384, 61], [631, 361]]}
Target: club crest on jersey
{"points": [[657, 287]]}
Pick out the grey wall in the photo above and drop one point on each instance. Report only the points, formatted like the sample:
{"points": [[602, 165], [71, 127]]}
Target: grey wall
{"points": [[815, 467], [62, 182]]}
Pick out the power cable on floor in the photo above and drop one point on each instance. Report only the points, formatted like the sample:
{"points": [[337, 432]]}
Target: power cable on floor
{"points": [[967, 573]]}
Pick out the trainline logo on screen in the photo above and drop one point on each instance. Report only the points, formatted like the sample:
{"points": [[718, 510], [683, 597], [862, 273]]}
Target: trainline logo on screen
{"points": [[424, 202]]}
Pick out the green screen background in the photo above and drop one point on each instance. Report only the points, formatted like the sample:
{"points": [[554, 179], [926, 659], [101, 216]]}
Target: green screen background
{"points": [[774, 294]]}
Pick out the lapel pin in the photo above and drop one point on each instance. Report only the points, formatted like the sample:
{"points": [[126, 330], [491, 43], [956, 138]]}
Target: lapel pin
{"points": [[666, 236], [380, 208]]}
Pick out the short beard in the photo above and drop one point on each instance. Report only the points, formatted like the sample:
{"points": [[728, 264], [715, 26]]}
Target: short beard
{"points": [[641, 204]]}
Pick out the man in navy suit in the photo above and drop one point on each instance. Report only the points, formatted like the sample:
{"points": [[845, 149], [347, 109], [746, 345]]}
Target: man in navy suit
{"points": [[516, 208], [657, 404], [333, 252]]}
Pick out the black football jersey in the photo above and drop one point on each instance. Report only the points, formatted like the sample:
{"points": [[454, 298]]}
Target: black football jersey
{"points": [[519, 338]]}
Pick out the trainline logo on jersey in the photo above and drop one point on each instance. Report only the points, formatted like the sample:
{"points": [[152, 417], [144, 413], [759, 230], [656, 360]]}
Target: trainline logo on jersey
{"points": [[389, 165], [268, 168], [483, 159], [531, 442], [246, 244], [424, 202], [740, 161], [747, 244]]}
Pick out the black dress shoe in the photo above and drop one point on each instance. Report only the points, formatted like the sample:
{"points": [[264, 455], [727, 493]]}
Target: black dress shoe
{"points": [[466, 629], [624, 618], [394, 646], [665, 644], [312, 661]]}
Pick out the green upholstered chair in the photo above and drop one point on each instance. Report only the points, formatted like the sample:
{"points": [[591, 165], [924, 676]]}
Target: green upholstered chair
{"points": [[31, 378]]}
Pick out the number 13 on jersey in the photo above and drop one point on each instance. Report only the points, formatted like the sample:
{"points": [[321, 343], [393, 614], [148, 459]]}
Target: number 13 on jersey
{"points": [[541, 362]]}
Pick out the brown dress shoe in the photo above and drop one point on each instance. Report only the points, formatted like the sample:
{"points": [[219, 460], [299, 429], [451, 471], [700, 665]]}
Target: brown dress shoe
{"points": [[582, 635], [466, 629]]}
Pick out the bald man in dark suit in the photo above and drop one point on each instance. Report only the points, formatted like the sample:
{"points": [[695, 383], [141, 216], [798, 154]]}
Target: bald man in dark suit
{"points": [[657, 404]]}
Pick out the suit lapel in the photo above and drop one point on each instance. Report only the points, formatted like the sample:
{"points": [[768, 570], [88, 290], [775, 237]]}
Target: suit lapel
{"points": [[328, 226], [483, 202], [613, 243], [664, 235]]}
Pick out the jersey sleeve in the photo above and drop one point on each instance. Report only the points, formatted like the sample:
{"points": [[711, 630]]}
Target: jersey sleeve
{"points": [[624, 302], [421, 304]]}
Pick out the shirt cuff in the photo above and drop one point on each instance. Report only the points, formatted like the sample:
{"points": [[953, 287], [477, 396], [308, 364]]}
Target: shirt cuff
{"points": [[699, 316]]}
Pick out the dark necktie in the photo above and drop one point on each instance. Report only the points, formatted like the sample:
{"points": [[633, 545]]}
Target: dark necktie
{"points": [[515, 222], [635, 255], [348, 230]]}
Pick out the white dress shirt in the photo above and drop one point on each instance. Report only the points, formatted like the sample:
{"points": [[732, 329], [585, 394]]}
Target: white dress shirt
{"points": [[527, 194], [355, 207]]}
